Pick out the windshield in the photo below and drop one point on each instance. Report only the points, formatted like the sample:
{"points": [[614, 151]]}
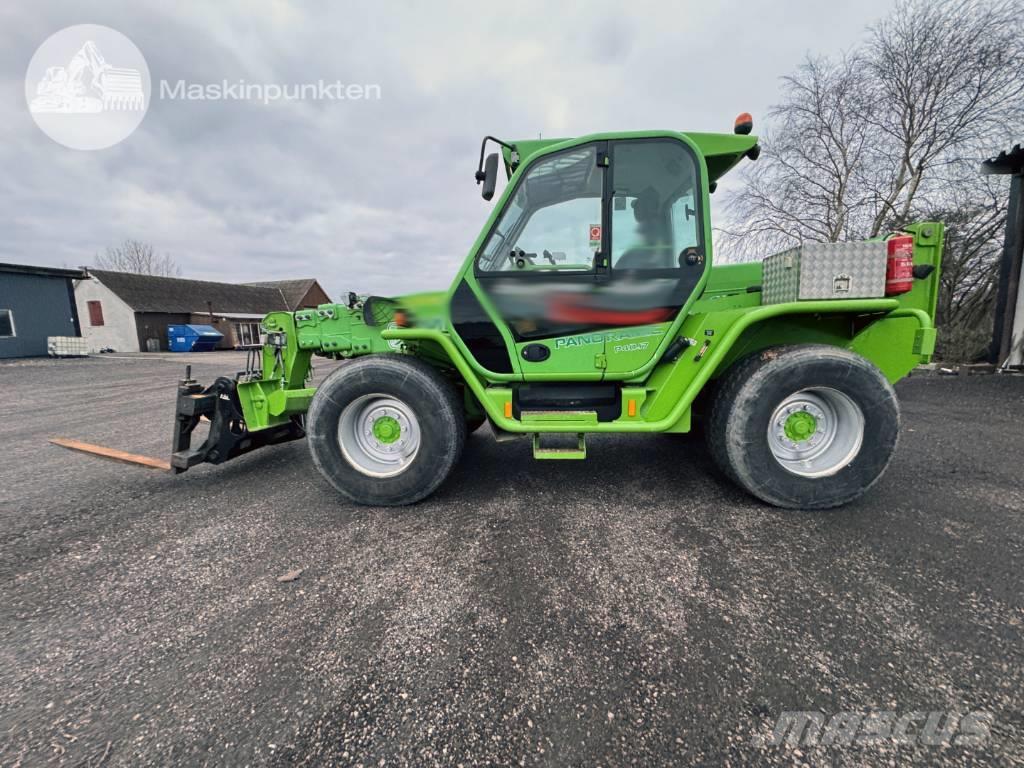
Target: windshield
{"points": [[553, 221]]}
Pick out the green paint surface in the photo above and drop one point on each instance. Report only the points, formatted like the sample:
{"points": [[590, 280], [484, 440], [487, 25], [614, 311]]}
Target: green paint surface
{"points": [[722, 321], [800, 426], [386, 429]]}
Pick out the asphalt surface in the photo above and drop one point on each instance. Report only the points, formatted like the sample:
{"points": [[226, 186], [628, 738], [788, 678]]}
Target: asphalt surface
{"points": [[631, 609]]}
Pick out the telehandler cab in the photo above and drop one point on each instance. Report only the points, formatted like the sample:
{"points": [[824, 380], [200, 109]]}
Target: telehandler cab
{"points": [[589, 303]]}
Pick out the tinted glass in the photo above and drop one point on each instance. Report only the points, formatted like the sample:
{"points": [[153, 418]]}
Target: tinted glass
{"points": [[654, 216]]}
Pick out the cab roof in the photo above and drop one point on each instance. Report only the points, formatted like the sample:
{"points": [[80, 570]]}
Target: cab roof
{"points": [[721, 151]]}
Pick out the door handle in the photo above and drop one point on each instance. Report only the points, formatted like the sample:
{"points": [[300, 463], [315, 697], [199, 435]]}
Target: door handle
{"points": [[600, 267], [536, 353]]}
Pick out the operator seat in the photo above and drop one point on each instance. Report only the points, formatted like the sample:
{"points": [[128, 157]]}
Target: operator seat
{"points": [[655, 253]]}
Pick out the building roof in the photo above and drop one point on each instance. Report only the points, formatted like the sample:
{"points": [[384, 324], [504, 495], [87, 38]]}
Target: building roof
{"points": [[147, 293], [294, 291], [29, 269], [1005, 162]]}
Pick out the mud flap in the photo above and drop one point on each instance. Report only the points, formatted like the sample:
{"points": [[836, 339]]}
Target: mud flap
{"points": [[229, 436]]}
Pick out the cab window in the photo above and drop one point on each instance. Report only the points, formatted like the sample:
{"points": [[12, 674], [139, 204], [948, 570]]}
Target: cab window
{"points": [[654, 216], [684, 222], [553, 220]]}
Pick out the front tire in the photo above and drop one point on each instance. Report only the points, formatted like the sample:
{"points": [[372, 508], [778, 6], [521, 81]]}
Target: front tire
{"points": [[386, 430], [804, 427]]}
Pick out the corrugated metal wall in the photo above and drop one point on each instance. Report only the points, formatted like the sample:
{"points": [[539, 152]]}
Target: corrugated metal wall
{"points": [[41, 306]]}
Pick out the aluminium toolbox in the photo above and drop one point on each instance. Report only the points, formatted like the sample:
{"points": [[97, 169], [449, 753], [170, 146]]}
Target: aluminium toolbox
{"points": [[825, 271]]}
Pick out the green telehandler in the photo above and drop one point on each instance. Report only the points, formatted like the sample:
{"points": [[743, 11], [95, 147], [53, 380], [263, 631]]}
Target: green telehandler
{"points": [[590, 303]]}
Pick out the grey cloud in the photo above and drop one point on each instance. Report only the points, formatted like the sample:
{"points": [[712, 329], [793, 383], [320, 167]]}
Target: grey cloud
{"points": [[373, 196]]}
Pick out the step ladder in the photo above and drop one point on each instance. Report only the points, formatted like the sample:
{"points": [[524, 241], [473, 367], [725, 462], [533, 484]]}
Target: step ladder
{"points": [[580, 419]]}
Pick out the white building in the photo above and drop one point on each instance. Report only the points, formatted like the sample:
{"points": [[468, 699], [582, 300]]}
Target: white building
{"points": [[126, 312]]}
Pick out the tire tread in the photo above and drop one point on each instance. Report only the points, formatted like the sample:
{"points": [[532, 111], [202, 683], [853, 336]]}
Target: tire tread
{"points": [[322, 427]]}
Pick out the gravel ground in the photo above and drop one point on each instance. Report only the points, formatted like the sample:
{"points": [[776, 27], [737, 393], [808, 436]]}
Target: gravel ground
{"points": [[631, 609]]}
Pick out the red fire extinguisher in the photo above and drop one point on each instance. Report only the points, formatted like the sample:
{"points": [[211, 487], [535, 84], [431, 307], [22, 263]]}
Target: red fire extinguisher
{"points": [[899, 267]]}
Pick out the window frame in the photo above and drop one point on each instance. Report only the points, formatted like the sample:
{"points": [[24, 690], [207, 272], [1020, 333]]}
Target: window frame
{"points": [[698, 204], [600, 150], [251, 327], [604, 148], [14, 329], [96, 304]]}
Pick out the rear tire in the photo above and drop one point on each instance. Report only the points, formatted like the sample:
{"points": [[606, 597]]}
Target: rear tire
{"points": [[386, 430], [804, 427]]}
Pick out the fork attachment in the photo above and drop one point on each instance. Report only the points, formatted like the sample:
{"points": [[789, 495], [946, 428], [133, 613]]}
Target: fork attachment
{"points": [[229, 436]]}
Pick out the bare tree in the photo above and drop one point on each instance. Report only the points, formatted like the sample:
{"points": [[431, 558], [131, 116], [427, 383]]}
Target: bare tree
{"points": [[892, 132], [947, 79], [141, 258], [815, 152], [970, 270]]}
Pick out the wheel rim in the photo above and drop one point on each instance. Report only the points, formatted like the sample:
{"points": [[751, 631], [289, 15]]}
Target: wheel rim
{"points": [[816, 432], [379, 435]]}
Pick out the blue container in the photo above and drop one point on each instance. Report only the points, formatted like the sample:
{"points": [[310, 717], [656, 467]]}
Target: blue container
{"points": [[193, 338]]}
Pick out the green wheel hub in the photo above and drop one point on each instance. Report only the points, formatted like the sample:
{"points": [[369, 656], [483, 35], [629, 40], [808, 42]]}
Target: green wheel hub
{"points": [[816, 432], [386, 429], [379, 435], [800, 426]]}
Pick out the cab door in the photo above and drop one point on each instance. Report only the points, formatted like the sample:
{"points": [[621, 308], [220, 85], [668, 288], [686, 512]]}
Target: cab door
{"points": [[546, 248], [599, 248], [656, 245]]}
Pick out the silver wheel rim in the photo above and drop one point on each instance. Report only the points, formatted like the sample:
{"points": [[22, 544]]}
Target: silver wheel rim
{"points": [[368, 438], [836, 432]]}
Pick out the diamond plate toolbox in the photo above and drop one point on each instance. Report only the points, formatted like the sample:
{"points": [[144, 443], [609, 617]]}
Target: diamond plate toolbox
{"points": [[825, 271]]}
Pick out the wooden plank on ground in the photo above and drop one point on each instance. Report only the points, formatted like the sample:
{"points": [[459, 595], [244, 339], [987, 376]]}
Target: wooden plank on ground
{"points": [[111, 453]]}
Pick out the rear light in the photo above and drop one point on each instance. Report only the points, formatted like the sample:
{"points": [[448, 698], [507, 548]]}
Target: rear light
{"points": [[899, 267], [744, 124]]}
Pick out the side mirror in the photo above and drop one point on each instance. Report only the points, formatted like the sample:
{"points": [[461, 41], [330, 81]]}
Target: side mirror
{"points": [[490, 176]]}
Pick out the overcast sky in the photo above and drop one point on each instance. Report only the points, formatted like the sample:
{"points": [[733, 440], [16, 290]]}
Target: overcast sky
{"points": [[373, 196]]}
